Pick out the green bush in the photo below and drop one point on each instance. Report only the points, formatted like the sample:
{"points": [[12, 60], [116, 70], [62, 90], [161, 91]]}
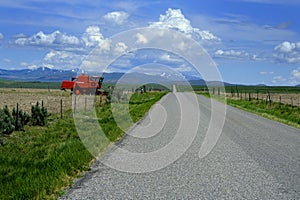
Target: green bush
{"points": [[6, 121], [38, 115], [21, 118]]}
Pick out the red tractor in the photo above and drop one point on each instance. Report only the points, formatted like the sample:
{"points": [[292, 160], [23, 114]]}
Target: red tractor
{"points": [[83, 84]]}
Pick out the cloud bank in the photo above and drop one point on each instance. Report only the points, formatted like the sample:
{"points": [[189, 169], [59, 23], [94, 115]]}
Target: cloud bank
{"points": [[174, 19]]}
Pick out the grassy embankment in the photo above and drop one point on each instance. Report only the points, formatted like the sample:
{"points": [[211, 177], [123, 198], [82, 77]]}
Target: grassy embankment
{"points": [[284, 113], [41, 162]]}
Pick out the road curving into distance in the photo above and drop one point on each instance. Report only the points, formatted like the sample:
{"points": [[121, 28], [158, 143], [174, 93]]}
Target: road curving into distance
{"points": [[254, 158]]}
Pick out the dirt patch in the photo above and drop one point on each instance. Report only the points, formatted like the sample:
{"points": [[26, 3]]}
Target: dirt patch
{"points": [[28, 97]]}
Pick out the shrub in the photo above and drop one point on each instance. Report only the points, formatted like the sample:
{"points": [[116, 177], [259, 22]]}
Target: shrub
{"points": [[6, 121], [21, 118], [38, 115]]}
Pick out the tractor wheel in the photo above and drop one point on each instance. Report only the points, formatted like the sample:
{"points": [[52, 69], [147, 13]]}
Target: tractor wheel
{"points": [[77, 90]]}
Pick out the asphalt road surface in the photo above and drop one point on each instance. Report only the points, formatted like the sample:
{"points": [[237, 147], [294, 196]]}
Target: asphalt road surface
{"points": [[254, 158]]}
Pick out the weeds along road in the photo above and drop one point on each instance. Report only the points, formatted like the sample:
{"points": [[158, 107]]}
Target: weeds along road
{"points": [[254, 158]]}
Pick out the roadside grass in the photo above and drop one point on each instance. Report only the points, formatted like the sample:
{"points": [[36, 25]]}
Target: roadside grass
{"points": [[283, 113], [139, 105], [36, 163], [41, 162]]}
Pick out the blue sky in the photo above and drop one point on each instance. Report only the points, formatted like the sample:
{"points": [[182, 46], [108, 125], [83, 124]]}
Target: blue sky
{"points": [[251, 41]]}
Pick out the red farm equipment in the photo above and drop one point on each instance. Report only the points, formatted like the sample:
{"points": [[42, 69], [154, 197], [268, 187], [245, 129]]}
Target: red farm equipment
{"points": [[84, 84]]}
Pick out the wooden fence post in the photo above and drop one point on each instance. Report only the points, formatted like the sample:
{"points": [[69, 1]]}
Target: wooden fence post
{"points": [[75, 103], [85, 101], [100, 99], [17, 117], [61, 104], [280, 102]]}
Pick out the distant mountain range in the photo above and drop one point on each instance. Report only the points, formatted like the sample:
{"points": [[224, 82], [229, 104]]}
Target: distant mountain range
{"points": [[44, 74]]}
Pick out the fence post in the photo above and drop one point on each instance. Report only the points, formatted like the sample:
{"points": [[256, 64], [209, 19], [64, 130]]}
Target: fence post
{"points": [[256, 95], [85, 101], [249, 96], [61, 104], [17, 117], [219, 91], [75, 103], [237, 91], [100, 99], [280, 102]]}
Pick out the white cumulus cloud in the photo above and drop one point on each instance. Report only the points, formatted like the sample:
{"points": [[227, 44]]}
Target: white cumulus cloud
{"points": [[169, 58], [231, 54], [287, 47], [117, 17], [174, 19], [184, 68], [278, 80], [1, 36], [295, 77], [296, 73], [62, 59], [266, 73], [55, 38], [288, 52], [120, 48], [92, 36], [141, 39], [57, 55]]}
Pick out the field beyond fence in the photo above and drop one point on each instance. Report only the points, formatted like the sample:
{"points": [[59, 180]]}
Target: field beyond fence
{"points": [[27, 97], [282, 94], [275, 105]]}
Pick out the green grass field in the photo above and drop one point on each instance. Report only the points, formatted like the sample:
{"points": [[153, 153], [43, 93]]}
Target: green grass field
{"points": [[253, 89], [41, 162], [284, 113], [35, 85]]}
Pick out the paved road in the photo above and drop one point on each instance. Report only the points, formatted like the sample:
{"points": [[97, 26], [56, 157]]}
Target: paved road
{"points": [[254, 158]]}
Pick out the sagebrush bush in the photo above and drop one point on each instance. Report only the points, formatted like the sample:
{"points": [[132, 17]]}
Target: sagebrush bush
{"points": [[6, 121]]}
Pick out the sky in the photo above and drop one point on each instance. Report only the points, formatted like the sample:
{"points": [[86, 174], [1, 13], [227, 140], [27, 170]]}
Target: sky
{"points": [[250, 41]]}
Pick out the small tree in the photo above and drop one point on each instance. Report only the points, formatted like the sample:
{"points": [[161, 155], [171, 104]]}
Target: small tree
{"points": [[38, 115], [6, 121], [21, 118]]}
